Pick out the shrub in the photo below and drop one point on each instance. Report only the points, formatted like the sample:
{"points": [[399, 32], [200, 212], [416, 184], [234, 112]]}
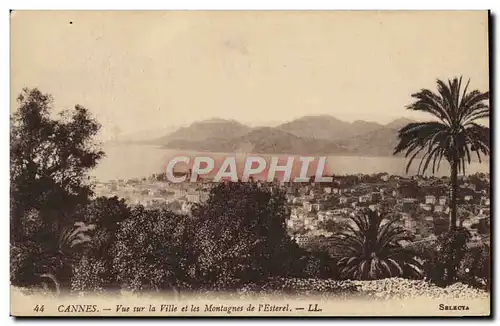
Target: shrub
{"points": [[450, 250], [241, 235], [106, 214], [88, 275], [472, 264], [475, 267], [25, 264], [318, 265], [150, 252]]}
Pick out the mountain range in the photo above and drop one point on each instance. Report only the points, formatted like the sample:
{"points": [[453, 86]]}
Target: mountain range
{"points": [[309, 135]]}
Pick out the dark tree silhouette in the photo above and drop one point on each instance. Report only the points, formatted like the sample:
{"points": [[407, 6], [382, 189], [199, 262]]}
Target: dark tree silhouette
{"points": [[454, 137], [241, 235], [151, 250], [49, 158], [106, 214]]}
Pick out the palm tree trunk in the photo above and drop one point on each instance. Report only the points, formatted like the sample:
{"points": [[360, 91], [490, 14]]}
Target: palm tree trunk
{"points": [[452, 263], [453, 195]]}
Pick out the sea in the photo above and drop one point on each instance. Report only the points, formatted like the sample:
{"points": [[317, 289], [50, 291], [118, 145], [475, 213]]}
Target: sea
{"points": [[126, 161]]}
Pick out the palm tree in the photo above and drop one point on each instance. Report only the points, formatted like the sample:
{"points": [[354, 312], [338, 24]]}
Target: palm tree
{"points": [[371, 248], [455, 136], [75, 237], [66, 249]]}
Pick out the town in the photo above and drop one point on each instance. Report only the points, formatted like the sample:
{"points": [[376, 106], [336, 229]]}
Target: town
{"points": [[319, 210]]}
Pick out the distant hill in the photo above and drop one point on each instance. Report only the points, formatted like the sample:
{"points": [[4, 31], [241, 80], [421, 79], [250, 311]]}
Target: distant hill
{"points": [[362, 127], [317, 127], [208, 129], [327, 127], [269, 140], [399, 123], [380, 141], [263, 140], [363, 137]]}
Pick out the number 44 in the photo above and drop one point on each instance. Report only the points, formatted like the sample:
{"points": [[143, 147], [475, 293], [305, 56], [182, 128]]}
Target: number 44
{"points": [[38, 308]]}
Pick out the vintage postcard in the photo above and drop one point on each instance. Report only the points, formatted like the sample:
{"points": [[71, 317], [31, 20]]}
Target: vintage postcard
{"points": [[250, 163]]}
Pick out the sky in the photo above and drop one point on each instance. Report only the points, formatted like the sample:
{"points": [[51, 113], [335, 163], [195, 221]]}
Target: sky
{"points": [[148, 70]]}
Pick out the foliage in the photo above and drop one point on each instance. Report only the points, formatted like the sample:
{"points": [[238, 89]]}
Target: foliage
{"points": [[32, 224], [106, 214], [478, 182], [89, 275], [475, 267], [25, 263], [372, 250], [49, 158], [75, 237], [332, 226], [151, 248], [237, 237], [443, 258], [456, 134], [318, 265], [241, 235], [451, 248], [49, 254]]}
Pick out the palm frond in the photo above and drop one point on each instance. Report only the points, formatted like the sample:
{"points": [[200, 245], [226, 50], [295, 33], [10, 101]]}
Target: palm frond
{"points": [[77, 235], [372, 249], [431, 103], [456, 136]]}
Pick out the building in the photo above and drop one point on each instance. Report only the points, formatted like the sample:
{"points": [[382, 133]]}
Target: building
{"points": [[321, 216], [316, 207], [439, 209], [409, 223], [302, 240], [485, 201], [193, 197], [311, 221], [426, 207], [468, 198], [467, 223], [291, 223], [297, 213], [430, 199], [364, 198]]}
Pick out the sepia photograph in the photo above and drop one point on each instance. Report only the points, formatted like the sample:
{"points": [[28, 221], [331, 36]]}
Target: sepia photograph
{"points": [[250, 163]]}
